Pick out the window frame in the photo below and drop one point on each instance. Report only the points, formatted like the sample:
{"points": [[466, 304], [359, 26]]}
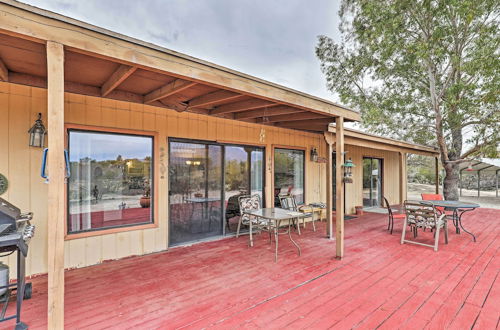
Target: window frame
{"points": [[154, 184], [292, 148]]}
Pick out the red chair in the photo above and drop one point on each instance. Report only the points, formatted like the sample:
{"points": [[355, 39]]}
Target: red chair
{"points": [[392, 215], [434, 197]]}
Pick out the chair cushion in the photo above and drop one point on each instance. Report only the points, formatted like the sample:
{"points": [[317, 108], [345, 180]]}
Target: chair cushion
{"points": [[399, 216]]}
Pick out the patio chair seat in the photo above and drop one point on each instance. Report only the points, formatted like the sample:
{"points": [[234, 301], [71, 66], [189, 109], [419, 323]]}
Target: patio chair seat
{"points": [[424, 217], [288, 202], [392, 215]]}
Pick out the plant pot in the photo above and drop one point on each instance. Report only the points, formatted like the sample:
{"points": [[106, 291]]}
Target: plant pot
{"points": [[145, 202], [359, 210]]}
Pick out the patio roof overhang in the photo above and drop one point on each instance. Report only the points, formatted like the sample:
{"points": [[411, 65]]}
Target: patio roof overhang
{"points": [[102, 63], [363, 139]]}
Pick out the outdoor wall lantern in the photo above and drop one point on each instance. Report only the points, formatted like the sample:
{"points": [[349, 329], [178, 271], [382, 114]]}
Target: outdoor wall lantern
{"points": [[314, 155], [37, 133], [348, 165]]}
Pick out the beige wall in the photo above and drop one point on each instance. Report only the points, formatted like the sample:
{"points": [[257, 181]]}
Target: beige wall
{"points": [[354, 196], [19, 106]]}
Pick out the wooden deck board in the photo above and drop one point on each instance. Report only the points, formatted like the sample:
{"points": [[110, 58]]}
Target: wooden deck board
{"points": [[225, 284]]}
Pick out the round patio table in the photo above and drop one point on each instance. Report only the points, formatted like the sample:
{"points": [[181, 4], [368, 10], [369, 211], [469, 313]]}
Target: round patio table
{"points": [[458, 208]]}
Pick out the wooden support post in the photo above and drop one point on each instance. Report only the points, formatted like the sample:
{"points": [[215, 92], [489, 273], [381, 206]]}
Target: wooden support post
{"points": [[402, 178], [56, 172], [437, 173], [496, 179], [479, 183], [329, 184], [339, 187]]}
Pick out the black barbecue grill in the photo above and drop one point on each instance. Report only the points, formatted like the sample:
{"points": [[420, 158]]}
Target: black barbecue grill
{"points": [[15, 234]]}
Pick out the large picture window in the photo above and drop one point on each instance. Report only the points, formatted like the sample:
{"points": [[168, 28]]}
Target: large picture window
{"points": [[111, 182], [289, 174]]}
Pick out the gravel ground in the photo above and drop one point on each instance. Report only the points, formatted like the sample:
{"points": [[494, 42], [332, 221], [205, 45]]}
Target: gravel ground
{"points": [[487, 199]]}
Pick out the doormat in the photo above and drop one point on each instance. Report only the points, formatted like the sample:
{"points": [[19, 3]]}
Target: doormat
{"points": [[349, 217]]}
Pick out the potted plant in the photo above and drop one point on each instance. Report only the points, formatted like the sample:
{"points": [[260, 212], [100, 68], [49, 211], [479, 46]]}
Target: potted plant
{"points": [[145, 200]]}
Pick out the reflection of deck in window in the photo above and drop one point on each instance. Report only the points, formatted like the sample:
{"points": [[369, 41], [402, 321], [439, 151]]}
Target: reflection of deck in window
{"points": [[111, 173]]}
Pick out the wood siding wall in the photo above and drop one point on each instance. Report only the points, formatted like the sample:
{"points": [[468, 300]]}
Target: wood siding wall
{"points": [[19, 106], [390, 177]]}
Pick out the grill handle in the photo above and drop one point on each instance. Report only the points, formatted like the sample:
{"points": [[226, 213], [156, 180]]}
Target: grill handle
{"points": [[43, 171]]}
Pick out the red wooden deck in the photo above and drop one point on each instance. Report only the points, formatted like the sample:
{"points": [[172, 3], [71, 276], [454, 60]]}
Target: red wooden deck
{"points": [[225, 284]]}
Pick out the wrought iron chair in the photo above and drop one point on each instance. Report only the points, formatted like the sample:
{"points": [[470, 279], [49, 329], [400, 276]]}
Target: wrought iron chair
{"points": [[248, 203], [425, 217], [288, 202], [392, 215]]}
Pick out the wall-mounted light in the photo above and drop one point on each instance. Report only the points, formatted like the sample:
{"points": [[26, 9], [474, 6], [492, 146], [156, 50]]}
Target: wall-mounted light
{"points": [[37, 133], [193, 162], [314, 155], [348, 165]]}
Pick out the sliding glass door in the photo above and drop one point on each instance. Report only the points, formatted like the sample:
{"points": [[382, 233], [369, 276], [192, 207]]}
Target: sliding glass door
{"points": [[201, 176], [243, 175], [372, 182], [195, 191]]}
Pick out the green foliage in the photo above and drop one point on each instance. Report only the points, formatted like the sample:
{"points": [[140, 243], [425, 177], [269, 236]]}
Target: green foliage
{"points": [[422, 71]]}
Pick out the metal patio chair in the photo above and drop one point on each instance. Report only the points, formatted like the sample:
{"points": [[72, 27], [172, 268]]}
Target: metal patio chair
{"points": [[392, 215], [249, 203], [288, 202], [424, 217]]}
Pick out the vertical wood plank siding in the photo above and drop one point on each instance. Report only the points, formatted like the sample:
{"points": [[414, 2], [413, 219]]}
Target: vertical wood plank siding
{"points": [[19, 106]]}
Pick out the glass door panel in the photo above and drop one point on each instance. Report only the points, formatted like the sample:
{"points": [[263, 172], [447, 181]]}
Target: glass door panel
{"points": [[195, 191], [243, 175], [372, 182]]}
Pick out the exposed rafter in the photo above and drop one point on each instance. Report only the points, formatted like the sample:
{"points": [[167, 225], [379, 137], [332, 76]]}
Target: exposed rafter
{"points": [[300, 116], [119, 76], [179, 107], [169, 89], [211, 98], [274, 111], [4, 72], [241, 106], [306, 123]]}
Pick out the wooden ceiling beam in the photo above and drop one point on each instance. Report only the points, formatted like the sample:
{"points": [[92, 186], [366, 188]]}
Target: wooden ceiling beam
{"points": [[169, 89], [211, 98], [241, 106], [4, 72], [299, 116], [119, 76], [306, 123], [274, 111]]}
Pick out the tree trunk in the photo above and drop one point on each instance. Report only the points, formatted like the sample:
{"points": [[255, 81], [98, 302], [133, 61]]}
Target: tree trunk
{"points": [[451, 181]]}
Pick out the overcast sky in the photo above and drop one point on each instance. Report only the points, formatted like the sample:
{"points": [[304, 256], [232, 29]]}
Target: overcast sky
{"points": [[270, 39]]}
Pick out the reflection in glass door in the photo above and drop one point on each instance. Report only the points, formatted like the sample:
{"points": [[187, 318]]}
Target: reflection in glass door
{"points": [[372, 182], [195, 191], [243, 175]]}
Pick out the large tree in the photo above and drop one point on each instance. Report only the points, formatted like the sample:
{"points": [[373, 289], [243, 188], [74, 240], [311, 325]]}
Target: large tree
{"points": [[423, 71]]}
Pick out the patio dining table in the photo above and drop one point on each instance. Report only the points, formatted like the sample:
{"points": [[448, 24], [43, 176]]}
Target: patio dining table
{"points": [[276, 215], [458, 208]]}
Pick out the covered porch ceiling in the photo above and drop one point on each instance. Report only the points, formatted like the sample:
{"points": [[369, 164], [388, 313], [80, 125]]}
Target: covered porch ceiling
{"points": [[133, 74]]}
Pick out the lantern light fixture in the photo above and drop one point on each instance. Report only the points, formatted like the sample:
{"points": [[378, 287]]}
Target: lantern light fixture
{"points": [[37, 133], [314, 154], [348, 165]]}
